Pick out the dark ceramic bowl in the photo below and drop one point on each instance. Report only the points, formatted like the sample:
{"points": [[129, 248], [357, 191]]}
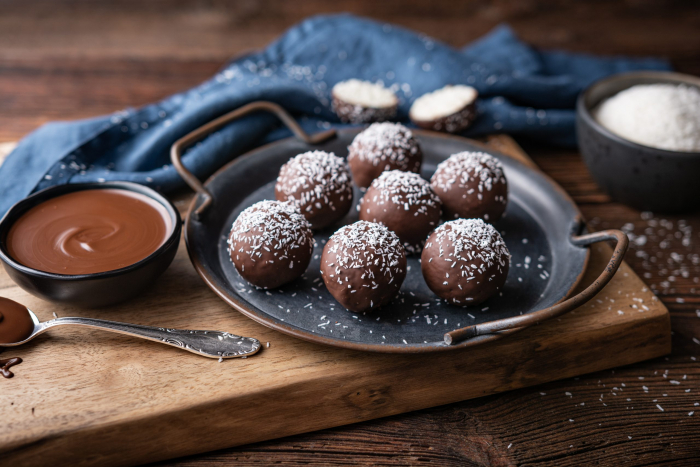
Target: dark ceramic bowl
{"points": [[640, 176], [98, 289]]}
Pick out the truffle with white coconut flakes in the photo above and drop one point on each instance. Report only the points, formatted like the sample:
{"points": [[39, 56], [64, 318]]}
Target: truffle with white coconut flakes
{"points": [[319, 183], [465, 261], [363, 266], [382, 147], [471, 184], [451, 109], [271, 243], [356, 101], [405, 203]]}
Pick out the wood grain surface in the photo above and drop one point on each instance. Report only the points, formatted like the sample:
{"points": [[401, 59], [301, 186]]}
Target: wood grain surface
{"points": [[64, 59], [143, 402]]}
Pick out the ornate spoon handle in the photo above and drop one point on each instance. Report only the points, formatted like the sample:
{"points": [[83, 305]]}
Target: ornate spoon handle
{"points": [[213, 344]]}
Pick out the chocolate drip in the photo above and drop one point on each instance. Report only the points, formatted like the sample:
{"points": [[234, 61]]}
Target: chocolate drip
{"points": [[5, 366]]}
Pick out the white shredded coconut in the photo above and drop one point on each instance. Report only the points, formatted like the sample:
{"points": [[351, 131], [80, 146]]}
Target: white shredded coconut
{"points": [[474, 251], [404, 189], [362, 243], [386, 143], [664, 116], [476, 245], [407, 190], [314, 179], [271, 226], [465, 166]]}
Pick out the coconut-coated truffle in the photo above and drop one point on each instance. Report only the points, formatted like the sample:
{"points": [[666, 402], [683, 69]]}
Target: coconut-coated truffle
{"points": [[271, 243], [405, 204], [465, 261], [319, 183], [471, 184], [363, 266], [382, 147]]}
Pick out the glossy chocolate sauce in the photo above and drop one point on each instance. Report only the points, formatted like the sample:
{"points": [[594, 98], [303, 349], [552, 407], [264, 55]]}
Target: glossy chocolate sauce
{"points": [[5, 366], [89, 231], [15, 323]]}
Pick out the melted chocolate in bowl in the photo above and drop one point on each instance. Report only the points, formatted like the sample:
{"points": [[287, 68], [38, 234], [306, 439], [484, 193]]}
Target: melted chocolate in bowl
{"points": [[89, 231], [15, 323]]}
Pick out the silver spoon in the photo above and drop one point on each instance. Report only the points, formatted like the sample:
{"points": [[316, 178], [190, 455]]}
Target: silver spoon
{"points": [[212, 344]]}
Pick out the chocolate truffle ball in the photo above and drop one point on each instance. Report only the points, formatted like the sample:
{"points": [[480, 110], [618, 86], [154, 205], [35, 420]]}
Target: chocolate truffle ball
{"points": [[450, 109], [405, 203], [356, 101], [319, 183], [465, 261], [271, 244], [471, 184], [381, 147], [363, 266]]}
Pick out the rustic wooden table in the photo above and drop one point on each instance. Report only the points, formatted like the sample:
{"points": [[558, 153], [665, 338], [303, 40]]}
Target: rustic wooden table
{"points": [[65, 59]]}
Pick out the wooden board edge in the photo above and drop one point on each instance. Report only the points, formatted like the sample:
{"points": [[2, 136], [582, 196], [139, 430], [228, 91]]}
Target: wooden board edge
{"points": [[237, 421], [223, 423]]}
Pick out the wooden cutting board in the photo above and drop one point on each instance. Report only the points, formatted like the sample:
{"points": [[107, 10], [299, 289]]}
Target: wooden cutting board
{"points": [[94, 398]]}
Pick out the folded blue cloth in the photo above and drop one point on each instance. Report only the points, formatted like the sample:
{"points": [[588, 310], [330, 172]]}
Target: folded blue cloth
{"points": [[523, 92]]}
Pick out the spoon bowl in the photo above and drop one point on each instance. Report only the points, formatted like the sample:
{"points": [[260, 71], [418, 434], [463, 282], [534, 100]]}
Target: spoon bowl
{"points": [[38, 329]]}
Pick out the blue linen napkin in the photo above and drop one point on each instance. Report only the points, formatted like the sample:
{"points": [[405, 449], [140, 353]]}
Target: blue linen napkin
{"points": [[523, 91]]}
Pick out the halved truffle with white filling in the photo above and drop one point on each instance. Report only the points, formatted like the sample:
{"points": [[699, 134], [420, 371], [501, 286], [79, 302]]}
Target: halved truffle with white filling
{"points": [[450, 109], [356, 101]]}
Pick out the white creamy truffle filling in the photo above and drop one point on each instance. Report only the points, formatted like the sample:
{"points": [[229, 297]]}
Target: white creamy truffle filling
{"points": [[365, 94], [442, 103]]}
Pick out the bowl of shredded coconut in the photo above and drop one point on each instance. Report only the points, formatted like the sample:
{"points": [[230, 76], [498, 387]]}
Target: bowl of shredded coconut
{"points": [[639, 135]]}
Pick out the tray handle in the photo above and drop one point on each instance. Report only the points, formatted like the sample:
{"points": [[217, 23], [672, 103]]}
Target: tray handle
{"points": [[179, 146], [501, 327]]}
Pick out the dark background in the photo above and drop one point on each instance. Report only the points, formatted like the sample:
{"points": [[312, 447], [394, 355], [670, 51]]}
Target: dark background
{"points": [[63, 59]]}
